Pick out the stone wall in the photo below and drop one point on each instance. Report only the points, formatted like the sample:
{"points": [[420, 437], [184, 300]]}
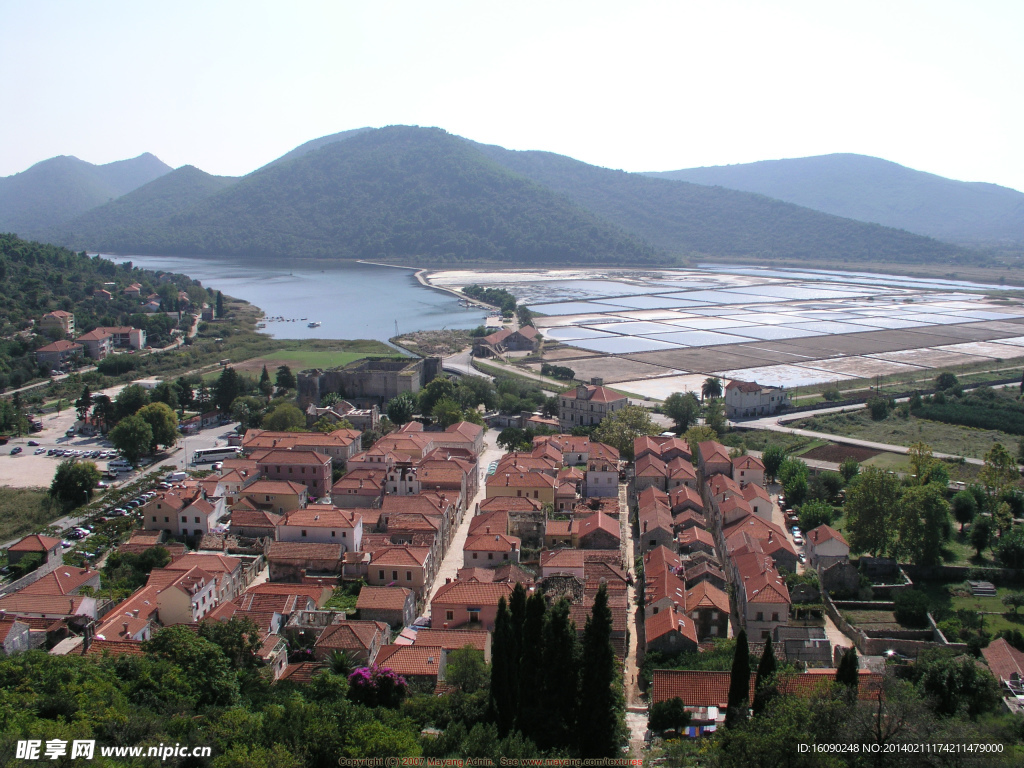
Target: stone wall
{"points": [[371, 380]]}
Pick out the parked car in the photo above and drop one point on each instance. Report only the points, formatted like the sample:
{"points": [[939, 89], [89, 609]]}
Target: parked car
{"points": [[39, 451], [33, 443], [802, 557], [798, 539], [15, 449]]}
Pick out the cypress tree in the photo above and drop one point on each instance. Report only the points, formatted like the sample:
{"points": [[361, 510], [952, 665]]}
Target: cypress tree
{"points": [[847, 672], [739, 682], [502, 647], [764, 683], [531, 679], [517, 621], [560, 679], [598, 721], [220, 305]]}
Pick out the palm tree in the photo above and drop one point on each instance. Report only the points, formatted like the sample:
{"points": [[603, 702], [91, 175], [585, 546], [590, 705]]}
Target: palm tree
{"points": [[712, 387], [340, 663]]}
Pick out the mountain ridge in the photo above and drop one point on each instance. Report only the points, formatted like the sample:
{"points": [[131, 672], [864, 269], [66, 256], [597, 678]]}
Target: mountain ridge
{"points": [[874, 190]]}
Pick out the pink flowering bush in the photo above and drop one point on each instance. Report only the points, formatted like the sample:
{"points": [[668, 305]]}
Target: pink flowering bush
{"points": [[377, 687]]}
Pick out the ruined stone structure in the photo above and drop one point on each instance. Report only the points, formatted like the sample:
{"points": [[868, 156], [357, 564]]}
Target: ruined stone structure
{"points": [[371, 381]]}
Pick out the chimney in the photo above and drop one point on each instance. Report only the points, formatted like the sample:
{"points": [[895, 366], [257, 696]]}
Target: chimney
{"points": [[645, 526], [135, 613], [124, 628], [448, 580]]}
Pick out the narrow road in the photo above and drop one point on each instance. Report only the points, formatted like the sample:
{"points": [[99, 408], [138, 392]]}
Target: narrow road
{"points": [[452, 560]]}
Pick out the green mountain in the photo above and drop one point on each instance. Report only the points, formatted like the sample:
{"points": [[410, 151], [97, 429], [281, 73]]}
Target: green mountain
{"points": [[309, 146], [393, 193], [691, 220], [146, 207], [61, 188], [874, 190]]}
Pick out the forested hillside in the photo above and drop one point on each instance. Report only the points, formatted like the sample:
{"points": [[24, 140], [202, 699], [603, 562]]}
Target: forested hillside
{"points": [[58, 189], [393, 193], [37, 278], [694, 220], [145, 207], [874, 190]]}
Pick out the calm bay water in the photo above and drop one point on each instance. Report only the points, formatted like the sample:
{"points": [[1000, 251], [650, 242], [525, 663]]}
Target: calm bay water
{"points": [[352, 301]]}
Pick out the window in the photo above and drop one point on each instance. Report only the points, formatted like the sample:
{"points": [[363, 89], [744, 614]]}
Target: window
{"points": [[184, 519], [775, 617], [713, 631], [408, 575], [332, 534], [303, 531], [714, 615], [474, 555], [394, 575], [505, 556], [167, 519], [490, 555], [654, 543], [535, 494], [655, 610], [449, 615], [197, 519], [519, 493], [381, 575], [694, 615], [759, 616], [344, 535], [154, 519]]}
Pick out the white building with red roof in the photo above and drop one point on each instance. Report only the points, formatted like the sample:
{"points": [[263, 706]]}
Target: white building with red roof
{"points": [[588, 405], [744, 399], [825, 546], [490, 549], [323, 524]]}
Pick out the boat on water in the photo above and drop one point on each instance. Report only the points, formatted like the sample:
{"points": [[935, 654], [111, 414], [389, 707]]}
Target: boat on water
{"points": [[314, 324]]}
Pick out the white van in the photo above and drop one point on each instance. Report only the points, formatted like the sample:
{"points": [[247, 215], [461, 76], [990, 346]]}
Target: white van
{"points": [[119, 465], [175, 477]]}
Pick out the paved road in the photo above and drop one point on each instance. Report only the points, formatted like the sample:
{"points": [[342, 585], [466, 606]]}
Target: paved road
{"points": [[461, 363], [452, 560]]}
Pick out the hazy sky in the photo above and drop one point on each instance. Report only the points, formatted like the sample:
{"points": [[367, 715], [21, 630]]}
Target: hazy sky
{"points": [[229, 86]]}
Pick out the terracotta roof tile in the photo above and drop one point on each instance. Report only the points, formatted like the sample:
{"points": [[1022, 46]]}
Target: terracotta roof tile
{"points": [[411, 660], [382, 598]]}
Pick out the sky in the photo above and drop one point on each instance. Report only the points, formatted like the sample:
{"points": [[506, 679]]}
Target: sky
{"points": [[228, 86]]}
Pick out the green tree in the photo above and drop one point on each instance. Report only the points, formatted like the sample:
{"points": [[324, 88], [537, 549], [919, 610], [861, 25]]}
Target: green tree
{"points": [[849, 468], [981, 533], [683, 408], [870, 506], [531, 712], [227, 387], [265, 385], [467, 670], [238, 639], [714, 416], [911, 607], [400, 409], [955, 685], [204, 670], [793, 475], [186, 394], [248, 411], [285, 379], [219, 311], [132, 437], [739, 683], [711, 388], [561, 665], [1014, 600], [764, 682], [600, 713], [1002, 517], [847, 673], [284, 417], [165, 392], [922, 524], [1010, 550], [946, 381], [621, 428], [772, 457], [964, 507], [447, 412], [163, 422], [438, 389], [83, 403], [103, 410], [669, 715], [815, 513], [503, 649], [1000, 470], [129, 400], [74, 481], [513, 439]]}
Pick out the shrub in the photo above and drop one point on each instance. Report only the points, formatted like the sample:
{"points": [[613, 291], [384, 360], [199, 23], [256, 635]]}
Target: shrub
{"points": [[911, 608], [377, 687]]}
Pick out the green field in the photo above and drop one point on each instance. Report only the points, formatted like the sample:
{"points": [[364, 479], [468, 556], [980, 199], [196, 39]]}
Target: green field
{"points": [[759, 439], [897, 430], [301, 355], [24, 510]]}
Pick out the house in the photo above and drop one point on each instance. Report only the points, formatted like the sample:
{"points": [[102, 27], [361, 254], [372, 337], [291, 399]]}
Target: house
{"points": [[762, 598], [323, 524], [410, 567], [696, 539], [231, 573], [809, 645], [102, 295], [182, 512], [59, 354], [704, 571], [64, 580], [462, 434], [555, 562], [359, 488], [734, 508], [487, 550], [14, 636], [456, 639], [670, 631], [708, 606], [825, 546], [183, 597], [311, 468], [1006, 663], [602, 478], [681, 472], [758, 500], [531, 485], [748, 469], [655, 519], [710, 688], [46, 547], [588, 404], [649, 470], [713, 459], [361, 640], [748, 398], [598, 531], [525, 339], [662, 590], [133, 291], [341, 444], [684, 498], [293, 560], [98, 343], [59, 320], [48, 606], [422, 666], [460, 603], [395, 606], [278, 496], [525, 516], [125, 336]]}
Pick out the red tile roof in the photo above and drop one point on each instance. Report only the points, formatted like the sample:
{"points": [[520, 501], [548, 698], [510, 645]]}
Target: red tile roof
{"points": [[1004, 660], [472, 593], [300, 550], [382, 598], [411, 660], [670, 620], [34, 543], [561, 558], [61, 581], [352, 635], [824, 533], [491, 542], [302, 672], [705, 595], [400, 556], [510, 504], [591, 524], [595, 394], [452, 639]]}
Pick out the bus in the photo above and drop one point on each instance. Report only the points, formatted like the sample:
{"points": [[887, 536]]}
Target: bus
{"points": [[210, 455]]}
